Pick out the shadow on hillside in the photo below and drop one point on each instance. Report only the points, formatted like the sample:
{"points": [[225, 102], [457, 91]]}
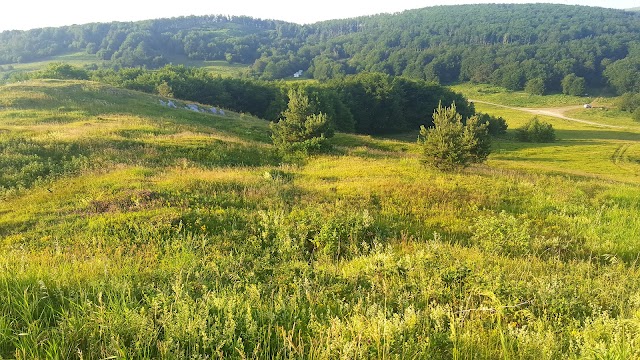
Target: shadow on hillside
{"points": [[507, 145], [600, 134]]}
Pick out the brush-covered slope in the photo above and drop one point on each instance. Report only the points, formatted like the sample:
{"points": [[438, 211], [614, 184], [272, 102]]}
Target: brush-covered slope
{"points": [[130, 230]]}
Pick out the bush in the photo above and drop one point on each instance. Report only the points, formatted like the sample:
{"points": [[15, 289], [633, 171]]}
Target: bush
{"points": [[450, 144], [300, 129], [536, 131], [495, 125], [629, 102]]}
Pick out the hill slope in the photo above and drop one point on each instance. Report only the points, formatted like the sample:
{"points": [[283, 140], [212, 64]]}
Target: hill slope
{"points": [[132, 230], [504, 44]]}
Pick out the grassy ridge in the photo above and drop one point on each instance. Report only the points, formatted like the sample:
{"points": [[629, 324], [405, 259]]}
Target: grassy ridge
{"points": [[158, 233]]}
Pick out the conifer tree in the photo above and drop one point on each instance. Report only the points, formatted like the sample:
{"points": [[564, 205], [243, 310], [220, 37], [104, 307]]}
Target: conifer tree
{"points": [[450, 144], [300, 128]]}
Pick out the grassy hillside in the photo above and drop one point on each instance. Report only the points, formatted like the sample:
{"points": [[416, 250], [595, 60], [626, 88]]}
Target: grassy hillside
{"points": [[130, 230]]}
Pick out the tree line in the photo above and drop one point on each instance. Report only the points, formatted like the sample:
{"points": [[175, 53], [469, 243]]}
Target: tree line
{"points": [[368, 103], [540, 47]]}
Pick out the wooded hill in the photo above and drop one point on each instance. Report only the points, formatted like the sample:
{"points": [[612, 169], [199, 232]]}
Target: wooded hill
{"points": [[508, 45]]}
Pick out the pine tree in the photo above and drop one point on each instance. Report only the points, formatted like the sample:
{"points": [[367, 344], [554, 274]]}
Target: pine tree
{"points": [[450, 144], [300, 128]]}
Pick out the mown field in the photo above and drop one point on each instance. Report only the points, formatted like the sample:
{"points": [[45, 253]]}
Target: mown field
{"points": [[130, 230]]}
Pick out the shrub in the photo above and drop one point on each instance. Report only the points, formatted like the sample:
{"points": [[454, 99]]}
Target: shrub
{"points": [[450, 144], [536, 131], [495, 125], [300, 129], [629, 102]]}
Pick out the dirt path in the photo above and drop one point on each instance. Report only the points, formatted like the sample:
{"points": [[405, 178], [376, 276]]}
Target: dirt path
{"points": [[553, 112]]}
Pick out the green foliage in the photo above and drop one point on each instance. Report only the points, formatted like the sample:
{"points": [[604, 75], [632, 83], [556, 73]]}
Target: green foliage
{"points": [[492, 43], [536, 130], [164, 90], [60, 71], [629, 102], [495, 125], [503, 234], [624, 74], [535, 86], [365, 103], [300, 128], [450, 144], [573, 85]]}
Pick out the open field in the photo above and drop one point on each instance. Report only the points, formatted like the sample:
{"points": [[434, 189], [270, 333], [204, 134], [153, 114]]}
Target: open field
{"points": [[130, 230], [81, 59], [497, 94]]}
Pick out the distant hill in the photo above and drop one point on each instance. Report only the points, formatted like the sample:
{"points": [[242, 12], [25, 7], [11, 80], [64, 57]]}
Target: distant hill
{"points": [[507, 45], [634, 9]]}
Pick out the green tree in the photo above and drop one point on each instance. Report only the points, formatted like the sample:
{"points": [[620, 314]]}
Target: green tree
{"points": [[535, 86], [300, 128], [573, 85], [450, 144]]}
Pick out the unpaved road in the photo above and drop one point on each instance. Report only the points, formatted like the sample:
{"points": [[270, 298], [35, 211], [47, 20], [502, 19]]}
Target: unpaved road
{"points": [[554, 112]]}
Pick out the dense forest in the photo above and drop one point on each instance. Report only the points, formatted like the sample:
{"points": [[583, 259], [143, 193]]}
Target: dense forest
{"points": [[540, 47]]}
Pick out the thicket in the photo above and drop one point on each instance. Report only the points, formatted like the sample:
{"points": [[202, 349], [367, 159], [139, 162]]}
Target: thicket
{"points": [[368, 103], [496, 125], [507, 45], [536, 130]]}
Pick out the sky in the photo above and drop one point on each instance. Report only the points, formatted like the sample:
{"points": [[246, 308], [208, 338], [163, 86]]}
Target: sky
{"points": [[29, 14]]}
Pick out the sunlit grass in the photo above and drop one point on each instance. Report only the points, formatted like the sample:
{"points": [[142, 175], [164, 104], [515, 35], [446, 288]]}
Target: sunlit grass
{"points": [[128, 230], [500, 95]]}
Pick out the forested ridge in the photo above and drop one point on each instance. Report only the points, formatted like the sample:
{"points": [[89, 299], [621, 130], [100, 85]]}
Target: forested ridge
{"points": [[508, 45]]}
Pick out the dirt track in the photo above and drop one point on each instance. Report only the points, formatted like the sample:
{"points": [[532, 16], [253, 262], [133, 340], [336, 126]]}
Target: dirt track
{"points": [[554, 112]]}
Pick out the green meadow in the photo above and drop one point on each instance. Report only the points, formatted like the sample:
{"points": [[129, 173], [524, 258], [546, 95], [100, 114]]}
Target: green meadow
{"points": [[80, 59], [129, 230]]}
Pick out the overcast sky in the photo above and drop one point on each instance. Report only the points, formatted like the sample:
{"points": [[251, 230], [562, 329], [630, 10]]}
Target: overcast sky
{"points": [[28, 14]]}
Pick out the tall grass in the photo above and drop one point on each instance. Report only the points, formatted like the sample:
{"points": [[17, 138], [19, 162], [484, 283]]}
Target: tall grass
{"points": [[181, 235]]}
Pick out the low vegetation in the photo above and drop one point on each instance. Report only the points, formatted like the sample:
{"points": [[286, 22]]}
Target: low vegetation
{"points": [[536, 131], [132, 230]]}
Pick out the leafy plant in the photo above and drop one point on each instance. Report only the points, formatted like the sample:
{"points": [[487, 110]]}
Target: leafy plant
{"points": [[536, 131]]}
